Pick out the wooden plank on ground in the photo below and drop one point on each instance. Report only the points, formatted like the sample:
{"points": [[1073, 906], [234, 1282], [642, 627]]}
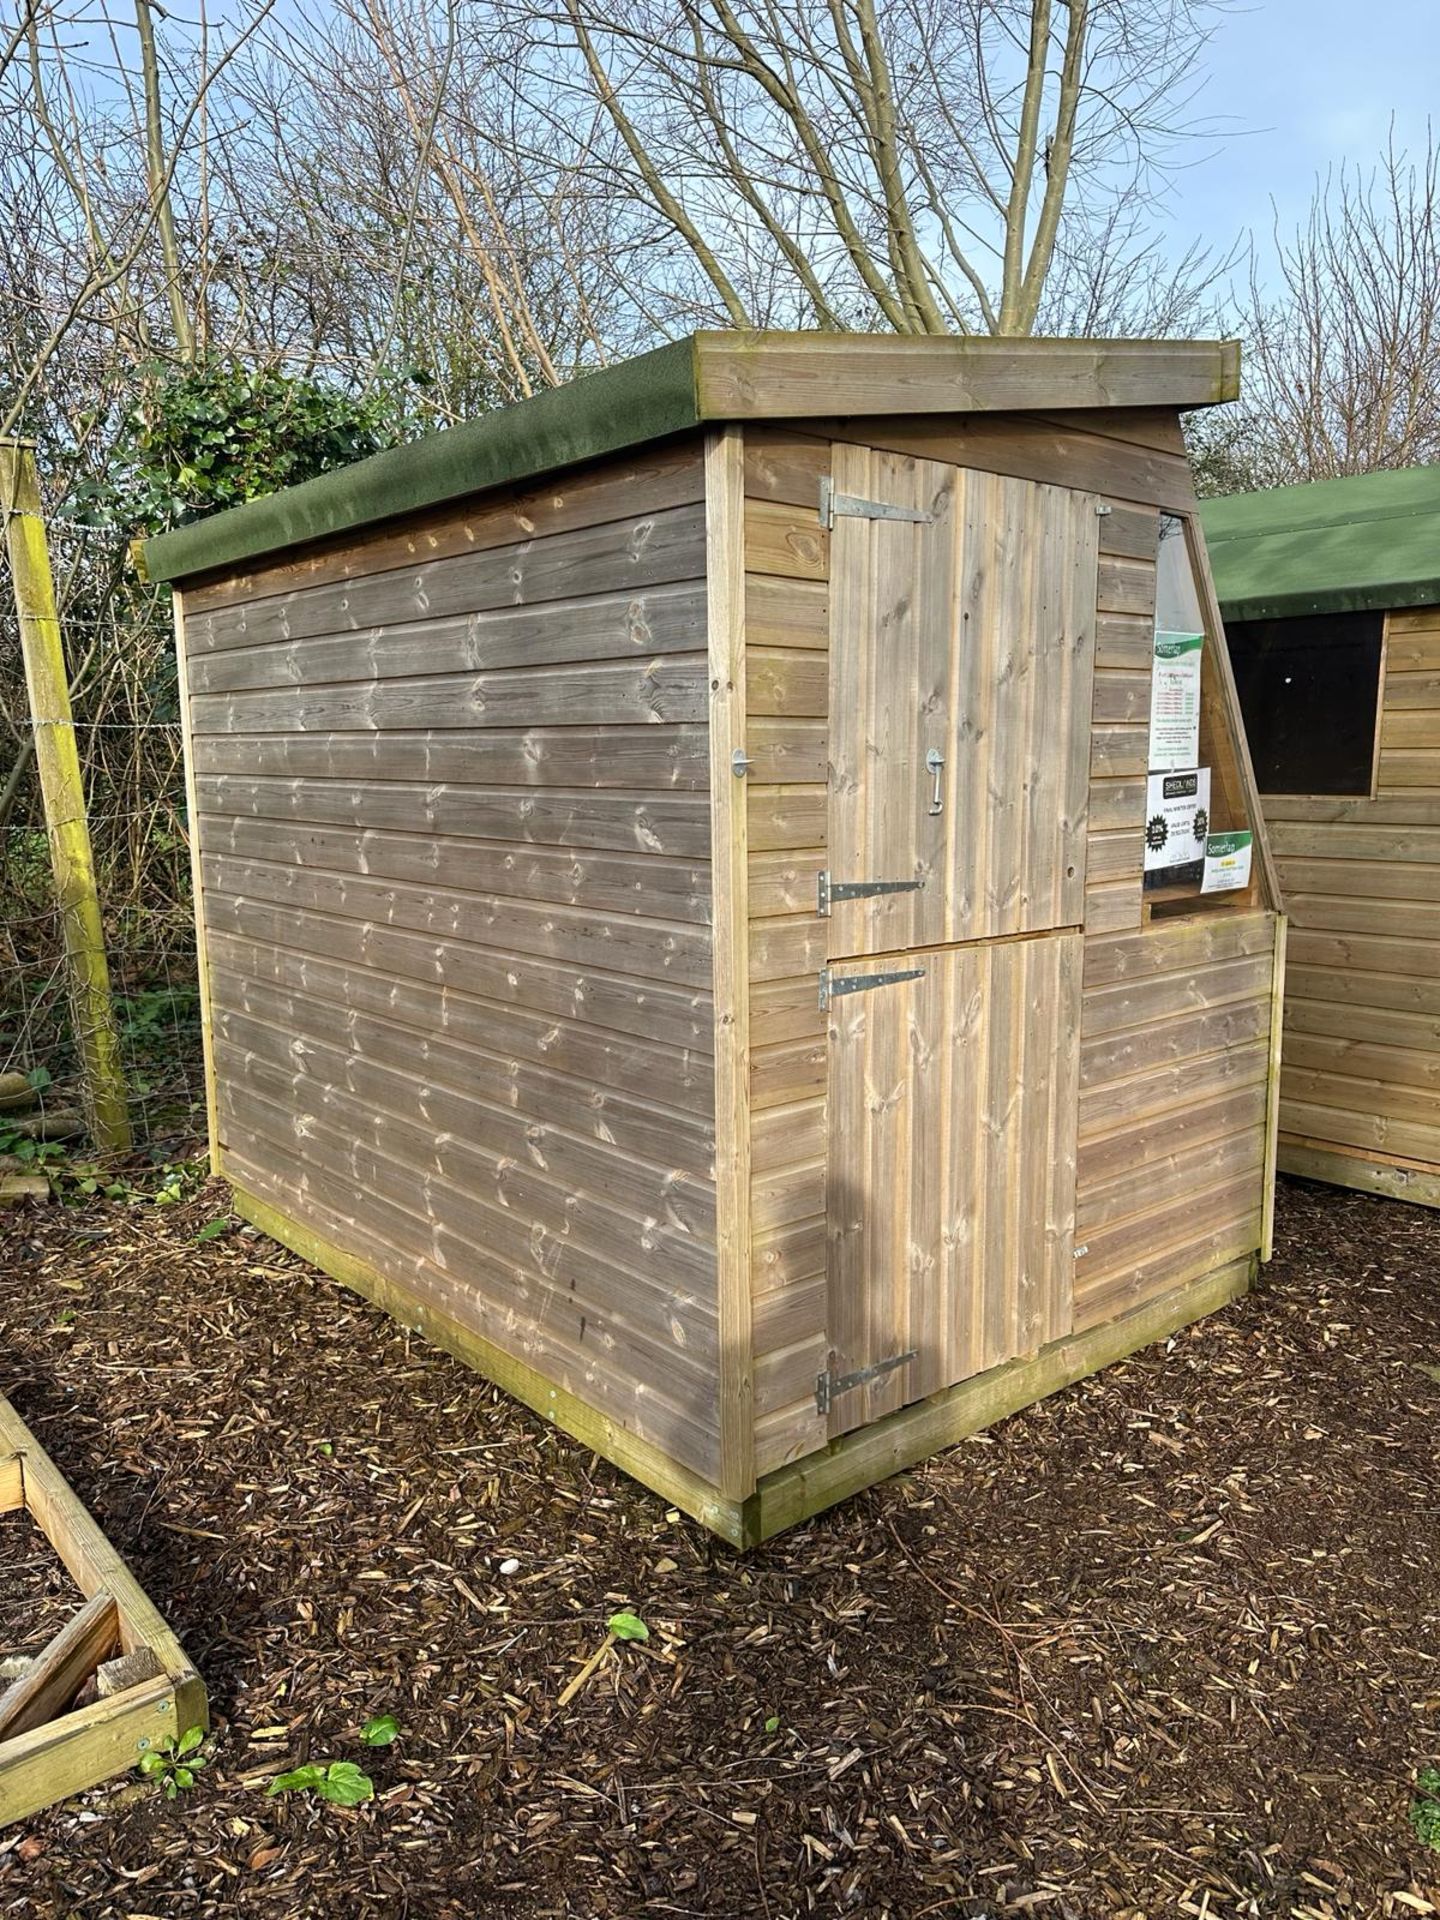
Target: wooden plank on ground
{"points": [[61, 1667]]}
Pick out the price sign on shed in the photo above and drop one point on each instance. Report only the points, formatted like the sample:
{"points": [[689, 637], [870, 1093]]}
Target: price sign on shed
{"points": [[1175, 701]]}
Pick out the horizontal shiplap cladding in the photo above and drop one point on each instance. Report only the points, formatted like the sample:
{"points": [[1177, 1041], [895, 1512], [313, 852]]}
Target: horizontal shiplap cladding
{"points": [[632, 1204], [626, 626], [640, 883], [645, 482], [649, 759], [1175, 1059], [665, 1152], [613, 558], [675, 1078], [583, 1254], [642, 947], [663, 688], [313, 1176], [453, 814], [670, 1015], [674, 825]]}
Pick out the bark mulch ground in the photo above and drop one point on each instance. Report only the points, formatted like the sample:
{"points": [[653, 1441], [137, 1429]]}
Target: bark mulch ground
{"points": [[1168, 1643]]}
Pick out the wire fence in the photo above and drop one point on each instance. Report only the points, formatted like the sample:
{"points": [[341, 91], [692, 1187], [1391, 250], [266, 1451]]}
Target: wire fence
{"points": [[124, 698]]}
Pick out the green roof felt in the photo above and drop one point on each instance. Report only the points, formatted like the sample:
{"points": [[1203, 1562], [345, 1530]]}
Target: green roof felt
{"points": [[1334, 546], [711, 377], [637, 400]]}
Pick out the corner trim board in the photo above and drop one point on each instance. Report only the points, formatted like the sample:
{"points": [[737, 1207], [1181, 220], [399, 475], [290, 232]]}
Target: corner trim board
{"points": [[729, 867], [197, 883]]}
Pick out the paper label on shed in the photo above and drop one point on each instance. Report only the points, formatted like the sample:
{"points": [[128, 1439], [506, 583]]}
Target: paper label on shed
{"points": [[1227, 862], [1175, 701]]}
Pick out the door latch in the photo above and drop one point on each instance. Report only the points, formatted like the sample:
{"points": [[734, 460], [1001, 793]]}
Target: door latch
{"points": [[935, 767]]}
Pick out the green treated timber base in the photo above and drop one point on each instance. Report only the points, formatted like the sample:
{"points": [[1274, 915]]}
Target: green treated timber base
{"points": [[903, 1439], [1419, 1185], [797, 1492]]}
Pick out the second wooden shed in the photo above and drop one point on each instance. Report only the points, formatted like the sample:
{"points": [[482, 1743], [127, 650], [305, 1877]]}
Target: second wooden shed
{"points": [[728, 897], [1331, 597]]}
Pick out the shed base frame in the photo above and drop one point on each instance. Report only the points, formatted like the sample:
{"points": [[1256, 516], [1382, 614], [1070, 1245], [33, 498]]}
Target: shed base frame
{"points": [[1392, 1179], [87, 1745], [806, 1487]]}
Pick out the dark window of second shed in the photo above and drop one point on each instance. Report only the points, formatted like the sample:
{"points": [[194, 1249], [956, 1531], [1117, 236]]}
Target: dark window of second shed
{"points": [[1310, 692]]}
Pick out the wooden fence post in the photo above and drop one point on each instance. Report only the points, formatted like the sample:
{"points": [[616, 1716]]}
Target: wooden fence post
{"points": [[62, 792]]}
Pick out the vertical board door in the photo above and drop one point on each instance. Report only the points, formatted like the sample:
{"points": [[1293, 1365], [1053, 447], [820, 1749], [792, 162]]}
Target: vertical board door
{"points": [[962, 648], [950, 1194]]}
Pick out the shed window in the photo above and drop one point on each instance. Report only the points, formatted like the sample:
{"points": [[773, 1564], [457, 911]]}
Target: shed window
{"points": [[1310, 692]]}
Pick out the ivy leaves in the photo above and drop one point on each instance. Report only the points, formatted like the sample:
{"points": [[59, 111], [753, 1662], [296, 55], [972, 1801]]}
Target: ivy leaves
{"points": [[219, 434]]}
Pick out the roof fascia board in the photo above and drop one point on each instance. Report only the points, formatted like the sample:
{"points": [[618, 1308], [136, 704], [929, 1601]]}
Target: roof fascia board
{"points": [[786, 376], [1386, 598]]}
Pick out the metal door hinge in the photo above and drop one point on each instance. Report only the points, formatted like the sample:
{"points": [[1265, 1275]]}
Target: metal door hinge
{"points": [[828, 891], [829, 1386], [850, 506], [833, 986]]}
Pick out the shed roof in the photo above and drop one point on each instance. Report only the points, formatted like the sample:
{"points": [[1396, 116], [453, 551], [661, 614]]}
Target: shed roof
{"points": [[1332, 546], [709, 377]]}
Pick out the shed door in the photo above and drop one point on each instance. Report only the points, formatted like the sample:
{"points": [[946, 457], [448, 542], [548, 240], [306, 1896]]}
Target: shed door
{"points": [[953, 1090], [961, 660]]}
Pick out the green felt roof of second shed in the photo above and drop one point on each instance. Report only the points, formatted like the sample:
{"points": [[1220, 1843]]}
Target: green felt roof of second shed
{"points": [[1363, 543]]}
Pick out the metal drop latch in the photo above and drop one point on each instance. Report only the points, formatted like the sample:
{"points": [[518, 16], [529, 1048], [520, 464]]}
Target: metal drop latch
{"points": [[935, 767]]}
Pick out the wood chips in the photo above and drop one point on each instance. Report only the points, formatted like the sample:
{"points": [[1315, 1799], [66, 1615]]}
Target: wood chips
{"points": [[1168, 1643]]}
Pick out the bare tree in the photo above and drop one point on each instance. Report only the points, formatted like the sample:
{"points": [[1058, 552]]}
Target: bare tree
{"points": [[921, 166], [99, 145], [1342, 364], [382, 211]]}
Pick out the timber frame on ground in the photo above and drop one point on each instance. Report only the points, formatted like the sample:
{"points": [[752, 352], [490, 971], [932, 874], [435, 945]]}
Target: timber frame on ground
{"points": [[79, 1749]]}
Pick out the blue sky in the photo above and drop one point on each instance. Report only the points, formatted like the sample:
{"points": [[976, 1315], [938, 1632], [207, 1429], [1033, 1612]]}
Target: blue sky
{"points": [[1301, 85]]}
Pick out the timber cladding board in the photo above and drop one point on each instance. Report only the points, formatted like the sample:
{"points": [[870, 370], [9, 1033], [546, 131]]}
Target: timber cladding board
{"points": [[513, 984], [1175, 1063], [1124, 650]]}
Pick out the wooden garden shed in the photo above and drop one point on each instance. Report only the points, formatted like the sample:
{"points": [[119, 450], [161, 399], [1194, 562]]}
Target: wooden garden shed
{"points": [[1331, 597], [717, 905]]}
